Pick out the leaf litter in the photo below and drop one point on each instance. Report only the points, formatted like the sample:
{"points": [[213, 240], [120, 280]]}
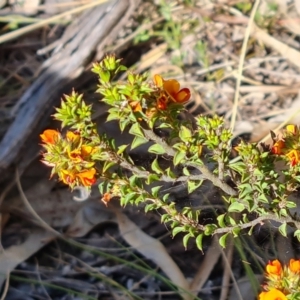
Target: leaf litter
{"points": [[92, 258]]}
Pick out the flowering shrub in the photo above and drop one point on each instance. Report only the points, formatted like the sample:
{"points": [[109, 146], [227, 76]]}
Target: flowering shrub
{"points": [[283, 283], [195, 149]]}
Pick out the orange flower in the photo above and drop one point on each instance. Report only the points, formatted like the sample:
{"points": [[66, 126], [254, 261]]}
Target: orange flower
{"points": [[72, 137], [106, 198], [172, 88], [294, 265], [81, 154], [87, 177], [293, 156], [273, 294], [274, 267], [50, 136], [162, 103], [135, 105], [67, 176], [277, 147]]}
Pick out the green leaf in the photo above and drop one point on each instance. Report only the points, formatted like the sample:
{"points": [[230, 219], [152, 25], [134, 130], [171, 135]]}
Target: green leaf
{"points": [[178, 157], [165, 197], [186, 172], [245, 218], [165, 218], [152, 178], [177, 229], [129, 197], [209, 229], [297, 234], [231, 220], [185, 134], [136, 130], [222, 240], [138, 141], [155, 190], [236, 207], [263, 198], [123, 123], [155, 167], [282, 229], [221, 220], [150, 207], [251, 230], [283, 212], [107, 165], [186, 239], [193, 185], [199, 239], [156, 149], [235, 231], [170, 173]]}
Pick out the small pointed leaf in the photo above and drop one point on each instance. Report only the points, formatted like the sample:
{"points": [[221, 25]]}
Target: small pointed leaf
{"points": [[156, 149], [222, 240]]}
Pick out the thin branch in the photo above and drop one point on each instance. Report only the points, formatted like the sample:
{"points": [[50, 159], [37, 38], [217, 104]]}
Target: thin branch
{"points": [[207, 174], [259, 220]]}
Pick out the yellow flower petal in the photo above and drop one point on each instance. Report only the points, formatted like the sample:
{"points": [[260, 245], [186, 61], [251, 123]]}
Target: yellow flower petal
{"points": [[293, 156], [72, 137], [158, 80], [292, 128], [273, 294]]}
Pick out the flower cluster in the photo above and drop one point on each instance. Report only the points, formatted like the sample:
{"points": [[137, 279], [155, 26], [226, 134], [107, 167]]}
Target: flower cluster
{"points": [[167, 92], [71, 157], [170, 92], [283, 282], [289, 146]]}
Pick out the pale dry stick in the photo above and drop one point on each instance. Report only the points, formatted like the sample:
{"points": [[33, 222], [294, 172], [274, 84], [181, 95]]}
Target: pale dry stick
{"points": [[40, 280], [215, 67], [17, 33], [42, 223], [5, 290], [210, 259], [228, 267], [65, 4], [227, 255], [241, 63]]}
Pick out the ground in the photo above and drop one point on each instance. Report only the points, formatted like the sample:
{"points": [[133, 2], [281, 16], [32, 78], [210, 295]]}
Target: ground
{"points": [[240, 59]]}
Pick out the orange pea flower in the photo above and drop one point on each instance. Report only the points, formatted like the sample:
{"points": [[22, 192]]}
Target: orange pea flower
{"points": [[50, 136], [81, 154], [106, 198], [172, 89], [294, 265], [136, 106], [87, 177], [293, 156], [273, 294], [72, 136], [274, 267], [277, 147], [67, 176]]}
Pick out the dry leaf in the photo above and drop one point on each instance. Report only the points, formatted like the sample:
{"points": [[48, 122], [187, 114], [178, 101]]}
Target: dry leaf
{"points": [[14, 255], [152, 249]]}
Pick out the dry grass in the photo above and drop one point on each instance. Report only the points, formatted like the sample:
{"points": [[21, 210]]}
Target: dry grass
{"points": [[240, 60]]}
